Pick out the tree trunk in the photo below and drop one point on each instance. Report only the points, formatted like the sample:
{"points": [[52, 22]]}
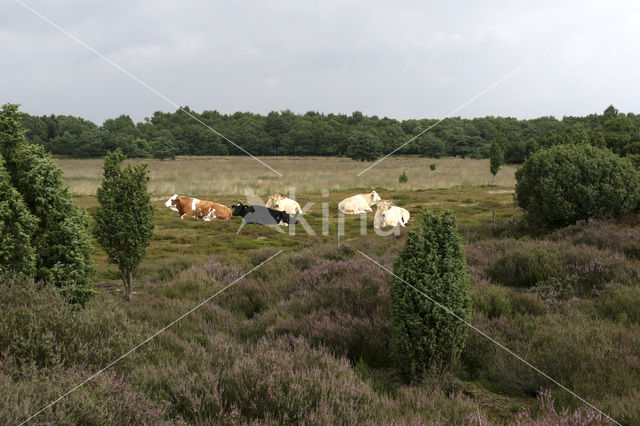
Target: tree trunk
{"points": [[127, 280]]}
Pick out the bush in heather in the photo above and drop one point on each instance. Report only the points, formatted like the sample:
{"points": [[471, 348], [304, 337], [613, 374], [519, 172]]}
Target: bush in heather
{"points": [[524, 265], [425, 336], [17, 226], [591, 357], [621, 305], [38, 327], [61, 241], [108, 399], [343, 305], [567, 183], [285, 380]]}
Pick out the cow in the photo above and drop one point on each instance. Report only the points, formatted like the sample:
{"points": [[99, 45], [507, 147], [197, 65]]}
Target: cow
{"points": [[359, 204], [284, 204], [388, 215], [200, 209], [262, 215]]}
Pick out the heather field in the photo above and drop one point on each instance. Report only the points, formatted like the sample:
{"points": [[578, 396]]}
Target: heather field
{"points": [[305, 338]]}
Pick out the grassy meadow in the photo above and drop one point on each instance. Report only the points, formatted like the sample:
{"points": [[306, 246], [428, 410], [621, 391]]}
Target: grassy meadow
{"points": [[306, 337], [227, 175]]}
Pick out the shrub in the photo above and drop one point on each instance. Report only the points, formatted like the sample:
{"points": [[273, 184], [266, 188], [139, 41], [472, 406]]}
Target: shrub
{"points": [[621, 305], [343, 306], [403, 178], [432, 166], [496, 157], [62, 243], [425, 336], [286, 381], [17, 226], [492, 300], [525, 265], [124, 220], [567, 183]]}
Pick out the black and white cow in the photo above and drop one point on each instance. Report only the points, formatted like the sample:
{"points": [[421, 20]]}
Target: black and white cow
{"points": [[262, 215]]}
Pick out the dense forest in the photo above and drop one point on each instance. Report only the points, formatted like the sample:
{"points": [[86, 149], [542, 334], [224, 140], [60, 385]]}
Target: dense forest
{"points": [[165, 135]]}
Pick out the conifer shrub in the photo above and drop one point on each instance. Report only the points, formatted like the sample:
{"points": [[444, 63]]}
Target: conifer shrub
{"points": [[403, 178], [567, 183], [124, 221], [424, 335], [432, 166], [61, 240], [17, 226]]}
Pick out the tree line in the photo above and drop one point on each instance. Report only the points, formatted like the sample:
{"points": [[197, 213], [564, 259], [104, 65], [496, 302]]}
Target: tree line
{"points": [[360, 137]]}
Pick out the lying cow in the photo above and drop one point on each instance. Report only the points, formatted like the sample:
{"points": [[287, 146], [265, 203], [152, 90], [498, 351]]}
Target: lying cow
{"points": [[262, 215], [388, 215], [284, 204], [359, 204], [200, 209]]}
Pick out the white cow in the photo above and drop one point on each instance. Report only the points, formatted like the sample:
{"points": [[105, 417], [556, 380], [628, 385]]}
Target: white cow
{"points": [[388, 215], [359, 204], [284, 204]]}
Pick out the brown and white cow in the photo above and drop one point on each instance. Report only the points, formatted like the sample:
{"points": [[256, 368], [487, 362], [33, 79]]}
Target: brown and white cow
{"points": [[358, 204], [200, 209], [284, 204]]}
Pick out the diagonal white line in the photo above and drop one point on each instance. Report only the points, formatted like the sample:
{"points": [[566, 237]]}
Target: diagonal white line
{"points": [[448, 310], [468, 101], [146, 340], [119, 68]]}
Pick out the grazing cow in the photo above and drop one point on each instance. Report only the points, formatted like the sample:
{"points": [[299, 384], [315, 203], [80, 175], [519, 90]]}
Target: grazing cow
{"points": [[262, 215], [388, 215], [358, 204], [200, 209], [284, 204]]}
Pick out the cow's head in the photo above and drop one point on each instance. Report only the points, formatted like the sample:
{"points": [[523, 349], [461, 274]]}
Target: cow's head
{"points": [[375, 197], [171, 202], [238, 209], [274, 201], [289, 219]]}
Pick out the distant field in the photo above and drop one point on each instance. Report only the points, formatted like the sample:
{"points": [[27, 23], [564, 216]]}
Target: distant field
{"points": [[226, 175]]}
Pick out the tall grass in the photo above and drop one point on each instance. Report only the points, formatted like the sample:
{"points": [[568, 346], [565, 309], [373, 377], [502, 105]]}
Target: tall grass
{"points": [[231, 175]]}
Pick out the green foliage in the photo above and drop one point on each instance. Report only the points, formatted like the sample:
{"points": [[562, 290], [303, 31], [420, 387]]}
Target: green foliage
{"points": [[432, 166], [525, 266], [163, 147], [364, 147], [403, 178], [496, 157], [424, 335], [124, 220], [313, 133], [567, 183], [17, 226], [62, 243]]}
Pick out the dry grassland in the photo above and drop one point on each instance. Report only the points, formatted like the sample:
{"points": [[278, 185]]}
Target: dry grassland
{"points": [[231, 175]]}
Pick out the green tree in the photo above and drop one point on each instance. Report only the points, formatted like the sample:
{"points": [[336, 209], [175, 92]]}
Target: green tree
{"points": [[163, 147], [496, 158], [124, 220], [567, 183], [17, 226], [61, 241], [364, 147], [403, 178], [424, 335]]}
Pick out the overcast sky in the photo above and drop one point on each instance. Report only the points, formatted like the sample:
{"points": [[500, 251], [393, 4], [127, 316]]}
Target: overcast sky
{"points": [[397, 59]]}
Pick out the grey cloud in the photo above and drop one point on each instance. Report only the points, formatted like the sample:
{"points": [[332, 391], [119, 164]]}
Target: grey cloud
{"points": [[405, 60]]}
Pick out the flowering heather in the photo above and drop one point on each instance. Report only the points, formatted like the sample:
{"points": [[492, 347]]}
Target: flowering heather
{"points": [[548, 416]]}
